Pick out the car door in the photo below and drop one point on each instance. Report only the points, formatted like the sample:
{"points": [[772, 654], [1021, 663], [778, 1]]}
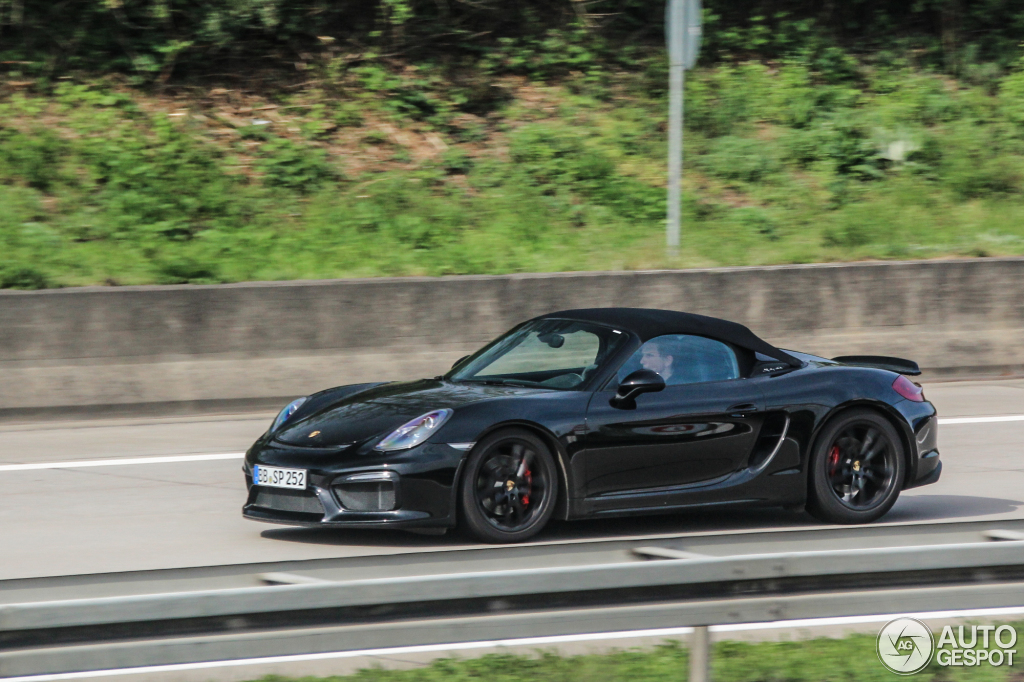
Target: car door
{"points": [[701, 427]]}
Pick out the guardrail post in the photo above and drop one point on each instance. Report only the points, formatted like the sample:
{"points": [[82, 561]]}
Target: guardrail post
{"points": [[700, 644]]}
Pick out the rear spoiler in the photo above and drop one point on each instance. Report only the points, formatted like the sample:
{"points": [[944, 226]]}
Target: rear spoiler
{"points": [[899, 365]]}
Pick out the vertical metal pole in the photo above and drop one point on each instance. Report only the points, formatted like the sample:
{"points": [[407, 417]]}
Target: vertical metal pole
{"points": [[675, 122], [700, 645]]}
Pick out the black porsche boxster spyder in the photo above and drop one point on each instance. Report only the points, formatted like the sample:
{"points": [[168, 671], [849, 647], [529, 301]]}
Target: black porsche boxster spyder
{"points": [[600, 412]]}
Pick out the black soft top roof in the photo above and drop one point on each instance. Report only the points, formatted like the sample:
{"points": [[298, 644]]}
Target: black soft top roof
{"points": [[648, 323]]}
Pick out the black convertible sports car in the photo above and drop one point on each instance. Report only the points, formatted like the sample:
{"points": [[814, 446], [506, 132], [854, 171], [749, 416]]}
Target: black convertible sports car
{"points": [[601, 412]]}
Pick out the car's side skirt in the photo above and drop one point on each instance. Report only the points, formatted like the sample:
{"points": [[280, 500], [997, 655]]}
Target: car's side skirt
{"points": [[784, 488]]}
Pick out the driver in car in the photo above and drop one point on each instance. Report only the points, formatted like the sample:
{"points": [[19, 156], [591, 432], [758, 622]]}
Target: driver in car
{"points": [[658, 357]]}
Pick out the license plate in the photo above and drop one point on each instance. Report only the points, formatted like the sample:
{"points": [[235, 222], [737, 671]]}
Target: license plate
{"points": [[272, 477]]}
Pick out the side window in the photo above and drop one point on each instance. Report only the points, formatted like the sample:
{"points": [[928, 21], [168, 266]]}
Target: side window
{"points": [[684, 359]]}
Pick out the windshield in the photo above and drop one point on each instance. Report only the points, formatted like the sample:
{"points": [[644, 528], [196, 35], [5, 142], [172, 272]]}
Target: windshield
{"points": [[557, 354]]}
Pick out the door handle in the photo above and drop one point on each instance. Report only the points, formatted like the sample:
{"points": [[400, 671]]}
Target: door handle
{"points": [[738, 410]]}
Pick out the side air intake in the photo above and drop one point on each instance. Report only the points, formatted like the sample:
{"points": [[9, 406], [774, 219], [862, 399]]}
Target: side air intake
{"points": [[773, 432]]}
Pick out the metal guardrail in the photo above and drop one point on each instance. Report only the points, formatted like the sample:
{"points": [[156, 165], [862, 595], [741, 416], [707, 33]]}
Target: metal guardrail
{"points": [[116, 632]]}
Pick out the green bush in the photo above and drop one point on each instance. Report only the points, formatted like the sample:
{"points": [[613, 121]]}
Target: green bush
{"points": [[737, 158], [558, 52], [293, 166], [979, 161], [850, 148], [971, 177], [804, 146], [558, 160], [793, 95], [758, 222], [33, 158], [456, 162], [186, 270], [404, 95], [715, 103], [348, 115], [835, 65], [1011, 96], [17, 276]]}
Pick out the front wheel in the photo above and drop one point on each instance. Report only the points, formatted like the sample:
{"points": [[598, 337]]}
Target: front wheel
{"points": [[508, 491], [857, 469]]}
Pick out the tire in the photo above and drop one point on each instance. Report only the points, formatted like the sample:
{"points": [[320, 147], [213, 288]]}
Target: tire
{"points": [[499, 506], [857, 468]]}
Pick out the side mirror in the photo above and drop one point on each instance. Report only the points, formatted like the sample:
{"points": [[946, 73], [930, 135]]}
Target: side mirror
{"points": [[459, 361], [640, 381]]}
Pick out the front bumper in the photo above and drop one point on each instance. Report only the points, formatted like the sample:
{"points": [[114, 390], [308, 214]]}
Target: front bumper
{"points": [[411, 489]]}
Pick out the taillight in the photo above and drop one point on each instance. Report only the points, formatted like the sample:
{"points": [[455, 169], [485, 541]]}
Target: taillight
{"points": [[908, 389]]}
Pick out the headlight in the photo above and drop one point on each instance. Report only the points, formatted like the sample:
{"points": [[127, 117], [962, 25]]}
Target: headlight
{"points": [[411, 434], [286, 414]]}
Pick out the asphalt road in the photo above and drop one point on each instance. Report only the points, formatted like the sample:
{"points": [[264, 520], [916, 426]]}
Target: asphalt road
{"points": [[70, 520]]}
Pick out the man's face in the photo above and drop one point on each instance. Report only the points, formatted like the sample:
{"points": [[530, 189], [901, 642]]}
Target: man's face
{"points": [[652, 358]]}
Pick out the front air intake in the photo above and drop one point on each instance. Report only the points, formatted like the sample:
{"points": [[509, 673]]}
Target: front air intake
{"points": [[366, 496], [301, 501]]}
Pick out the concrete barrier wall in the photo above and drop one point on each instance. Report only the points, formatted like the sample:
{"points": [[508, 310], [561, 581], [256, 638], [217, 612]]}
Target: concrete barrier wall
{"points": [[133, 346]]}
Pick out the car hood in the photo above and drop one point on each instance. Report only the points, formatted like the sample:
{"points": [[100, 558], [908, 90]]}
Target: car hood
{"points": [[379, 410]]}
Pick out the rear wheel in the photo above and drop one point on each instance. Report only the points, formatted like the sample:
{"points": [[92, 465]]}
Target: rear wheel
{"points": [[857, 469], [508, 491]]}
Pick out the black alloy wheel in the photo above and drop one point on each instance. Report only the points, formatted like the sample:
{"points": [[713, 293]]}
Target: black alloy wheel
{"points": [[509, 487], [857, 469]]}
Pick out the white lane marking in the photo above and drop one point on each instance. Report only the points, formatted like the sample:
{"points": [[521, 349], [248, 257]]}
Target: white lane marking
{"points": [[76, 464], [522, 641], [238, 455], [981, 420]]}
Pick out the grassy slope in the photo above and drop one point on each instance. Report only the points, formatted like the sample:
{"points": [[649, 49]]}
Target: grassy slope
{"points": [[374, 170], [852, 659]]}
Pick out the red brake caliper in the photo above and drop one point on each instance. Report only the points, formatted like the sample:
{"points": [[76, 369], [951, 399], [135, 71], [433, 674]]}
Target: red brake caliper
{"points": [[833, 460], [529, 487]]}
